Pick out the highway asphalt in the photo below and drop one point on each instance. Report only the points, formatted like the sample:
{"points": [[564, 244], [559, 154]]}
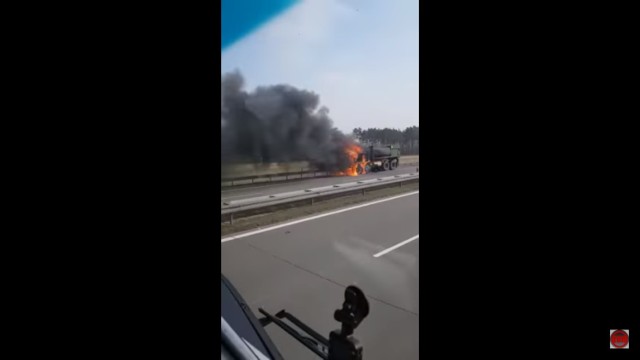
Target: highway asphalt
{"points": [[305, 267], [269, 189]]}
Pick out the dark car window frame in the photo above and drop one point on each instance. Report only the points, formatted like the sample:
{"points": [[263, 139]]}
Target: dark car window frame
{"points": [[268, 344]]}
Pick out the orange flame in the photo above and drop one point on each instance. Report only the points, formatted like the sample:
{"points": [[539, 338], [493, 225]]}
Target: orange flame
{"points": [[352, 151]]}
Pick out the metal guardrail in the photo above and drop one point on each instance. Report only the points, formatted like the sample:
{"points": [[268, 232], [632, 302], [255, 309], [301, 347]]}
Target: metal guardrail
{"points": [[291, 175], [287, 175], [230, 208]]}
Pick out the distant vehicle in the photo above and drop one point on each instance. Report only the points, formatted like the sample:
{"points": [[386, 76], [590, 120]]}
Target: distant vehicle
{"points": [[378, 158]]}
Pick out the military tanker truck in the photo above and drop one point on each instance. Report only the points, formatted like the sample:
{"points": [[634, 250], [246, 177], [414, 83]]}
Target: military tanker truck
{"points": [[378, 158]]}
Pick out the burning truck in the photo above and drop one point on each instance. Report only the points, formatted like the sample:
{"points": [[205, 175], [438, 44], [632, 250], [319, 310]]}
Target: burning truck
{"points": [[280, 124], [371, 159]]}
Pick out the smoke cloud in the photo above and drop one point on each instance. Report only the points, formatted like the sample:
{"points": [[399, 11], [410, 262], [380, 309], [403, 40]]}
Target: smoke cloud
{"points": [[278, 124]]}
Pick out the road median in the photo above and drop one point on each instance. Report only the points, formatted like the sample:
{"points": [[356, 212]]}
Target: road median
{"points": [[244, 175], [294, 210]]}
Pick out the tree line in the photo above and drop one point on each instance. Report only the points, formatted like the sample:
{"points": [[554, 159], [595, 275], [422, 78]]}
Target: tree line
{"points": [[408, 140]]}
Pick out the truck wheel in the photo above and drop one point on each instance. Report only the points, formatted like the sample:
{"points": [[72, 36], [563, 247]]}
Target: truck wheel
{"points": [[385, 165], [394, 164]]}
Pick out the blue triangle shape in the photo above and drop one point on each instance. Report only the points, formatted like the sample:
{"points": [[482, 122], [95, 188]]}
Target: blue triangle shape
{"points": [[241, 17]]}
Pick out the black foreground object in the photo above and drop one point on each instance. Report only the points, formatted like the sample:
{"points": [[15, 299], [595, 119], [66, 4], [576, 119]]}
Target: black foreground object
{"points": [[341, 344], [243, 336]]}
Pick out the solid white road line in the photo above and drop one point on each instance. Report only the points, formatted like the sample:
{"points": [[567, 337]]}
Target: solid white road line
{"points": [[396, 246], [240, 236]]}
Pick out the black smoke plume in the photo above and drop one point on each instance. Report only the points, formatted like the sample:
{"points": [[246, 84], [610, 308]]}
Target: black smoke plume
{"points": [[278, 124]]}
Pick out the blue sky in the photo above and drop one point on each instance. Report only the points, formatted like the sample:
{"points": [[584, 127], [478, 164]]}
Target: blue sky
{"points": [[359, 56]]}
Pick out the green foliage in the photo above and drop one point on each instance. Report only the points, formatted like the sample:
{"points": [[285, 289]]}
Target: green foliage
{"points": [[408, 140]]}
